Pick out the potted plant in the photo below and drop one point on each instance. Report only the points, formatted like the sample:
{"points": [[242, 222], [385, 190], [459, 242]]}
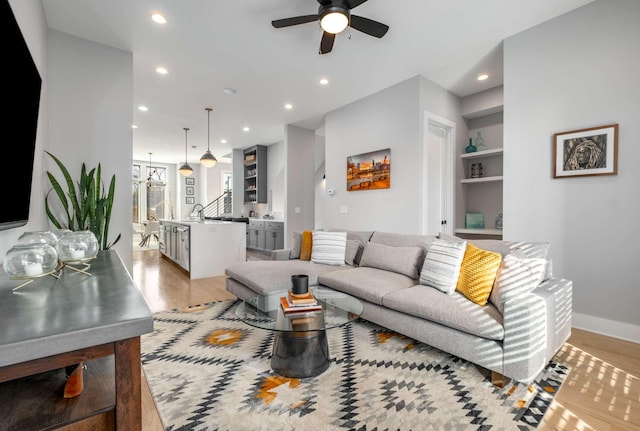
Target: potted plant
{"points": [[87, 208]]}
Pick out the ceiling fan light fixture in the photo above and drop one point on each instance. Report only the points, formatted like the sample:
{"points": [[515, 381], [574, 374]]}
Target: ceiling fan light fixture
{"points": [[185, 169], [333, 20], [208, 160]]}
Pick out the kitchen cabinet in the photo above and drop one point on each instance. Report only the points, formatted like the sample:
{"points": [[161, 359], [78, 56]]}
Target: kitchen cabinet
{"points": [[274, 235], [265, 235], [255, 174], [203, 248]]}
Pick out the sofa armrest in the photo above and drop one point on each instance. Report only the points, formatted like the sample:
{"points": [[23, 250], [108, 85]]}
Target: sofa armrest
{"points": [[281, 254], [536, 325]]}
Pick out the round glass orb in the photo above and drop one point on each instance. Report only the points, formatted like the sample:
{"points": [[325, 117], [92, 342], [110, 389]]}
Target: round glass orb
{"points": [[77, 246], [59, 233], [30, 260], [38, 237]]}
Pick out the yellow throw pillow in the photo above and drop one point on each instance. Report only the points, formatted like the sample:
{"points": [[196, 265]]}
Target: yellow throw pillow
{"points": [[477, 273], [307, 245]]}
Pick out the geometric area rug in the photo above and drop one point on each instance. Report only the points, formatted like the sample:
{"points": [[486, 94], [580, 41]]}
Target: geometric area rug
{"points": [[207, 370]]}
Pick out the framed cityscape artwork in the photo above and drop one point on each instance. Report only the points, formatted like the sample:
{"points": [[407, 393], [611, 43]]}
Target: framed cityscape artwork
{"points": [[369, 171]]}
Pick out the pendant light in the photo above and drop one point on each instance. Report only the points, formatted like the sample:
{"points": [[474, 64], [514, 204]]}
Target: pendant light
{"points": [[185, 169], [151, 172], [208, 160]]}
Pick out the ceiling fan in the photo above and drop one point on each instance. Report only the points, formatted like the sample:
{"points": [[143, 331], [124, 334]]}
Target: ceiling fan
{"points": [[334, 16]]}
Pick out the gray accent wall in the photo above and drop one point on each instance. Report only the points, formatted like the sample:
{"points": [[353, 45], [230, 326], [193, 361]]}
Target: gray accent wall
{"points": [[577, 71], [299, 150]]}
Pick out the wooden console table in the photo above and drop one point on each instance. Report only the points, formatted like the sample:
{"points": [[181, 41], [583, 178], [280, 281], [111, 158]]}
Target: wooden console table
{"points": [[52, 323]]}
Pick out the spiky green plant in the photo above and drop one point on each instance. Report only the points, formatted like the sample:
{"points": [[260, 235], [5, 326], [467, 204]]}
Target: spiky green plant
{"points": [[88, 208]]}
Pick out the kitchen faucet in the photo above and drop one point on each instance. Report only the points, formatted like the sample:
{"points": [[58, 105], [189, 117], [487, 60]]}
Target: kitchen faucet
{"points": [[193, 210]]}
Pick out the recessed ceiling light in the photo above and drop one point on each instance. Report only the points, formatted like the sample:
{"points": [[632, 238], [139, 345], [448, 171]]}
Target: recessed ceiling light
{"points": [[246, 129], [161, 70], [229, 90], [324, 81], [143, 108], [288, 106], [133, 126], [482, 77], [157, 17], [223, 141]]}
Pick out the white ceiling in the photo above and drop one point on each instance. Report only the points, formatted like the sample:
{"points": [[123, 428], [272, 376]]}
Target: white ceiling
{"points": [[208, 45]]}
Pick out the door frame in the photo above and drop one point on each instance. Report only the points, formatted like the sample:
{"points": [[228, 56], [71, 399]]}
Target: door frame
{"points": [[447, 169]]}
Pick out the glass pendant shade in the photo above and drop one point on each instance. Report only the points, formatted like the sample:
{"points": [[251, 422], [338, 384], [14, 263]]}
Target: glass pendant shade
{"points": [[334, 21], [38, 237], [185, 169], [77, 246], [208, 160], [30, 260]]}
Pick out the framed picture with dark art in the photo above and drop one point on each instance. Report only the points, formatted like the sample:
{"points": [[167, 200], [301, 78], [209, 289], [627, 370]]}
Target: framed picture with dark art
{"points": [[189, 181], [586, 152], [369, 171], [190, 191], [190, 200]]}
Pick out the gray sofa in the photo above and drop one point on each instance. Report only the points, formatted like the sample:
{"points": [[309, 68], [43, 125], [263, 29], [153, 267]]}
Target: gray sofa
{"points": [[514, 340]]}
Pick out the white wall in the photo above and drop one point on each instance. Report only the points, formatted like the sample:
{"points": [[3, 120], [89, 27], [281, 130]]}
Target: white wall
{"points": [[577, 71], [392, 118], [90, 117], [31, 19]]}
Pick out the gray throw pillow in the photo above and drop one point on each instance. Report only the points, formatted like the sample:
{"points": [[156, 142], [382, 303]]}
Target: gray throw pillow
{"points": [[403, 260], [296, 246]]}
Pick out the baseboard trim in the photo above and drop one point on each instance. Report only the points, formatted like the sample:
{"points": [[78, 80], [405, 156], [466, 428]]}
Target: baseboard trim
{"points": [[610, 328]]}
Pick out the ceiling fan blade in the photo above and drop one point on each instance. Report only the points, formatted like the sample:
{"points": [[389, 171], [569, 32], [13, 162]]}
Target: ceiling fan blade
{"points": [[295, 20], [368, 26], [326, 44], [351, 4]]}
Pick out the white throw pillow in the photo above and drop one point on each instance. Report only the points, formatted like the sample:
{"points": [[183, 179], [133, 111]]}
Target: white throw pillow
{"points": [[329, 247], [517, 275], [441, 267]]}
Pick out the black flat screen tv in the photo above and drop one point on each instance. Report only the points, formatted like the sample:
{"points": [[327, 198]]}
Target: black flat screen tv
{"points": [[19, 120]]}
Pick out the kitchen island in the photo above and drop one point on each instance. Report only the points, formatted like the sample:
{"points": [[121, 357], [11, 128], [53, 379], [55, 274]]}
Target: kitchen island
{"points": [[203, 248]]}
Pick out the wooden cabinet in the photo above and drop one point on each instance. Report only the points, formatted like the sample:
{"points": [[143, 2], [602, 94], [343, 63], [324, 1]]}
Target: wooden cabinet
{"points": [[481, 181], [255, 174]]}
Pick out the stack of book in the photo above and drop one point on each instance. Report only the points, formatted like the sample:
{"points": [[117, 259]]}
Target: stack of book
{"points": [[292, 303]]}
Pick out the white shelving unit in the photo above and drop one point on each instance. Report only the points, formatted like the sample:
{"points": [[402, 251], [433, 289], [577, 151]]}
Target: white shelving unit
{"points": [[482, 194]]}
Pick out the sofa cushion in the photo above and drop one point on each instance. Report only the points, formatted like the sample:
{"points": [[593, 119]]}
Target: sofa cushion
{"points": [[369, 284], [517, 275], [329, 247], [362, 236], [306, 245], [454, 311], [352, 249], [268, 276], [403, 260], [477, 273], [441, 266]]}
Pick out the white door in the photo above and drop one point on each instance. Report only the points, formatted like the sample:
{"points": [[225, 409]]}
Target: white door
{"points": [[437, 204]]}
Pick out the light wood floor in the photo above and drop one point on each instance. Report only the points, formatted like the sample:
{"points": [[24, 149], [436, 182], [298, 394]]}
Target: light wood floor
{"points": [[602, 392]]}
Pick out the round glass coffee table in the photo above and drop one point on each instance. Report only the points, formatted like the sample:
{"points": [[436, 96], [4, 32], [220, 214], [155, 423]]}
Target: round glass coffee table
{"points": [[300, 347]]}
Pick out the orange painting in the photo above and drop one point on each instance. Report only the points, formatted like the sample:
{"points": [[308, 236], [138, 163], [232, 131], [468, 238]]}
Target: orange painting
{"points": [[369, 171]]}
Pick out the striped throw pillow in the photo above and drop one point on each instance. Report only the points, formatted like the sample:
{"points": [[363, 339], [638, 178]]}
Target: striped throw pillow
{"points": [[329, 247], [517, 275], [441, 266]]}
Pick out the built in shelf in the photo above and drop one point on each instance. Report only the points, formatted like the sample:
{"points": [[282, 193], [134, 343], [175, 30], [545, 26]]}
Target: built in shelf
{"points": [[480, 231], [483, 153], [481, 179]]}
